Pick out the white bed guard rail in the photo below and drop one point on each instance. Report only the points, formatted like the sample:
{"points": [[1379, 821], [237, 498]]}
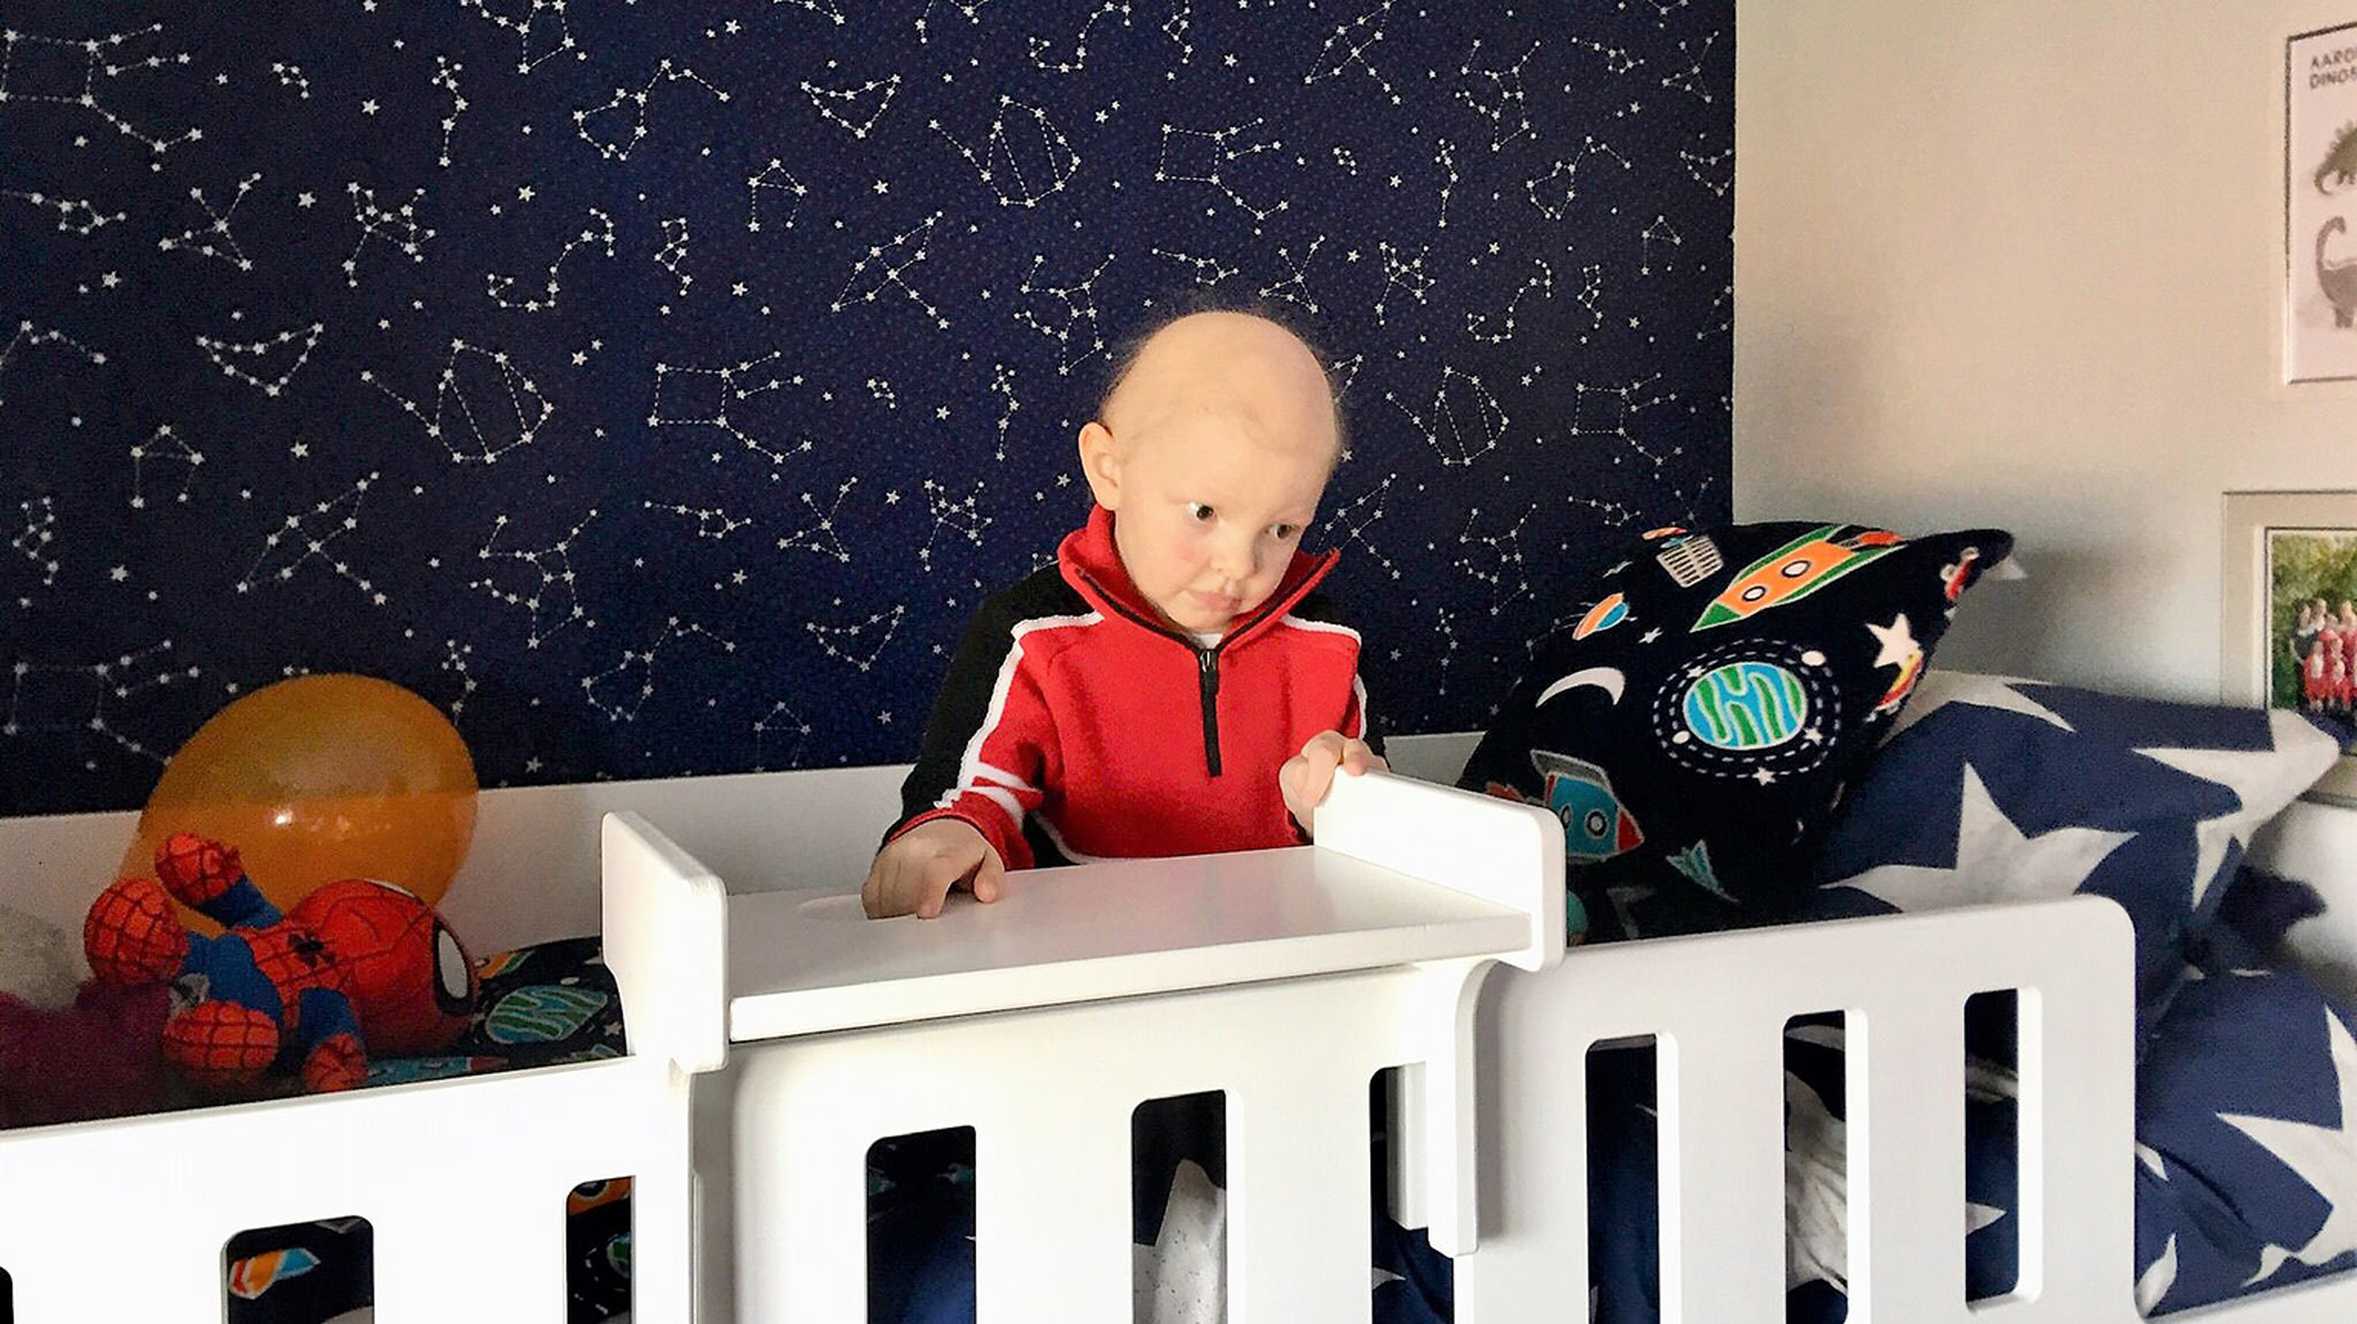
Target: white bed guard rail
{"points": [[463, 1181]]}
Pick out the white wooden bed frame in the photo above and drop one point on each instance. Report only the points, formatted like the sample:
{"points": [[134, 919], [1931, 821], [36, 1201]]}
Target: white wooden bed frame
{"points": [[774, 1035]]}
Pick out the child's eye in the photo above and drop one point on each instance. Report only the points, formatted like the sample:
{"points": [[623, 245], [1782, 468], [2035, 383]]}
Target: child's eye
{"points": [[1199, 512], [1285, 532]]}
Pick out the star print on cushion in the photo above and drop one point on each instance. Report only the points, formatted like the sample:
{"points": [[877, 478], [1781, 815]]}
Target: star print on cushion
{"points": [[1997, 790]]}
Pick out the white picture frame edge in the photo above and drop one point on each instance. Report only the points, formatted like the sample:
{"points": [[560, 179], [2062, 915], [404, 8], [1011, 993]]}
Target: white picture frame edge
{"points": [[2242, 629]]}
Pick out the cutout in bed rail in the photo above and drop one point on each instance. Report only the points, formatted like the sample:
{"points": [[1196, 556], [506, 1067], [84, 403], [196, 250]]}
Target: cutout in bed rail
{"points": [[597, 1248], [1624, 1174], [1178, 1181], [1816, 1164], [1993, 1138], [920, 1234], [7, 1298], [316, 1270]]}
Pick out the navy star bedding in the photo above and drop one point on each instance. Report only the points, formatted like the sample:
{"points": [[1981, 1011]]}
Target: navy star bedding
{"points": [[1995, 790]]}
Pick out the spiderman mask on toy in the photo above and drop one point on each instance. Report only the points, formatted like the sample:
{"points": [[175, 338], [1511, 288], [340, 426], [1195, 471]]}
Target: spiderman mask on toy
{"points": [[355, 966]]}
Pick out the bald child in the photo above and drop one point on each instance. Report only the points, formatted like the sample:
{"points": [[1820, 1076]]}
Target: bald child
{"points": [[1174, 684]]}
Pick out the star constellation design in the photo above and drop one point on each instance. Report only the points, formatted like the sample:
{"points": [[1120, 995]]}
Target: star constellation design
{"points": [[1498, 98], [1205, 271], [1401, 273], [970, 8], [308, 537], [1002, 385], [491, 430], [1477, 324], [1466, 421], [636, 105], [961, 515], [1554, 192], [1078, 324], [1494, 560], [87, 696], [1212, 157], [1295, 288], [730, 395], [634, 675], [203, 239], [601, 233], [291, 76], [164, 447], [780, 719], [97, 59], [820, 534], [553, 601], [397, 227], [1001, 161], [1349, 45], [712, 522], [864, 289], [446, 72], [27, 338], [91, 219], [774, 178], [1713, 170], [841, 642], [33, 538], [542, 33], [673, 253], [1362, 513], [226, 355], [880, 91]]}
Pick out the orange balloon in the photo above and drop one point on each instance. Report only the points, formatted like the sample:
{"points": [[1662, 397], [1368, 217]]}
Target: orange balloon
{"points": [[320, 778]]}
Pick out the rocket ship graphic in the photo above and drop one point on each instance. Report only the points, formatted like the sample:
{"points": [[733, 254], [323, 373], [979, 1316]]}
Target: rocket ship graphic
{"points": [[1595, 825], [1796, 570]]}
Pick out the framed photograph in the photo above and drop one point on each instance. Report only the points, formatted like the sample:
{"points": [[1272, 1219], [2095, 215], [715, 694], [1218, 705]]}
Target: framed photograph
{"points": [[2289, 624], [2320, 205]]}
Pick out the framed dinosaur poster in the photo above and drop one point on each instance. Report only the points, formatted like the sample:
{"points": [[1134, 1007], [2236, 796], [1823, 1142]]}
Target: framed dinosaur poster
{"points": [[2320, 205]]}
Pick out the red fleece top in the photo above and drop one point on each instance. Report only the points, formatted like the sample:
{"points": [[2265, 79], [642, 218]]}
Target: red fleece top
{"points": [[1074, 724]]}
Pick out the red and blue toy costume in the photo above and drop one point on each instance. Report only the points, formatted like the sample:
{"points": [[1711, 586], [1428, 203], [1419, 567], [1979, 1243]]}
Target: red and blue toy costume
{"points": [[355, 956]]}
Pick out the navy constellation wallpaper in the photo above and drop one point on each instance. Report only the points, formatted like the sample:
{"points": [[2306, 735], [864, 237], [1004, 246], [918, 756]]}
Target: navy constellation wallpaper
{"points": [[657, 386]]}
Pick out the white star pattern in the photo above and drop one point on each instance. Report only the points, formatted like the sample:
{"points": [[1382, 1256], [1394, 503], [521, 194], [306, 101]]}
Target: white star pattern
{"points": [[1995, 861], [2325, 1157]]}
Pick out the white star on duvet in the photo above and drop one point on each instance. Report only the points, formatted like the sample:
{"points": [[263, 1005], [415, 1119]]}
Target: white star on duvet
{"points": [[1944, 687], [2325, 1157], [2246, 768], [2007, 866]]}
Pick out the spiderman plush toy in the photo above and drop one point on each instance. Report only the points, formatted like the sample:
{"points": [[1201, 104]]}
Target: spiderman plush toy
{"points": [[356, 963]]}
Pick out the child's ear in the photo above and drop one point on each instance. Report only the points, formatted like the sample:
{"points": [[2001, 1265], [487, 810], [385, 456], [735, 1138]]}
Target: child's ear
{"points": [[1100, 463]]}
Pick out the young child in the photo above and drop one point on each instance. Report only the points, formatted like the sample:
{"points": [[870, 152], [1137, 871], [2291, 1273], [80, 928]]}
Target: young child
{"points": [[1174, 685]]}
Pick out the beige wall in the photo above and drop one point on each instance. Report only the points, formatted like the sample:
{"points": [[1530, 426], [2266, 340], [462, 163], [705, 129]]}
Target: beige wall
{"points": [[2020, 262]]}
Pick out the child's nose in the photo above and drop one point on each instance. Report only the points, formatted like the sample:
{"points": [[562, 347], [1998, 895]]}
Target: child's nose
{"points": [[1238, 559]]}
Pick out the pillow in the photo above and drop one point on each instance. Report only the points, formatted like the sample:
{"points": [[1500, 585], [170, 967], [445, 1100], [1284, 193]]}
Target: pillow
{"points": [[2245, 1179], [1696, 720], [1996, 789]]}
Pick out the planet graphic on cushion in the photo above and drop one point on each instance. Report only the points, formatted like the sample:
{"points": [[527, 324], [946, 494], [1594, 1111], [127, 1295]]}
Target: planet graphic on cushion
{"points": [[1747, 705]]}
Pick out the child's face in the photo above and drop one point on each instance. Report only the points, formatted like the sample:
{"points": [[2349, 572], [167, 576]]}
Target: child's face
{"points": [[1213, 459]]}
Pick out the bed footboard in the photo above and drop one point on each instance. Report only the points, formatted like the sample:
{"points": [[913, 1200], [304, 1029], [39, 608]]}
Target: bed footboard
{"points": [[1718, 1007]]}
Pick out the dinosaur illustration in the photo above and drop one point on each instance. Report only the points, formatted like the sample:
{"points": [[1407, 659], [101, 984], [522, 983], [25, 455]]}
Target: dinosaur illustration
{"points": [[2340, 163], [2339, 279]]}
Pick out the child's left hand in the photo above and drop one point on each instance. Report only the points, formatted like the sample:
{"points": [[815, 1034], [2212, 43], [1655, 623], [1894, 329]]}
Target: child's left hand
{"points": [[1306, 776]]}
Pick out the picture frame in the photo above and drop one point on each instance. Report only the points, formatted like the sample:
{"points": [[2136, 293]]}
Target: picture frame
{"points": [[2284, 552], [2320, 205]]}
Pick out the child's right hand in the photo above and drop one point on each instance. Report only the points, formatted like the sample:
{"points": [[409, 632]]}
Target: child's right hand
{"points": [[912, 875]]}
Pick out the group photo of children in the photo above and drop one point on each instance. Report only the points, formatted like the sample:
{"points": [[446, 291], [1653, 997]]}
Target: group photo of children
{"points": [[2315, 616]]}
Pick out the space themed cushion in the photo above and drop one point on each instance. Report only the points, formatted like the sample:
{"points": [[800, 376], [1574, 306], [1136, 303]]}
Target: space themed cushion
{"points": [[1709, 695]]}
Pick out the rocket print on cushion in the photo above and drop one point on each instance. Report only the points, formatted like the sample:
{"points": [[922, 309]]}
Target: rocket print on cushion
{"points": [[1796, 570], [1595, 825]]}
